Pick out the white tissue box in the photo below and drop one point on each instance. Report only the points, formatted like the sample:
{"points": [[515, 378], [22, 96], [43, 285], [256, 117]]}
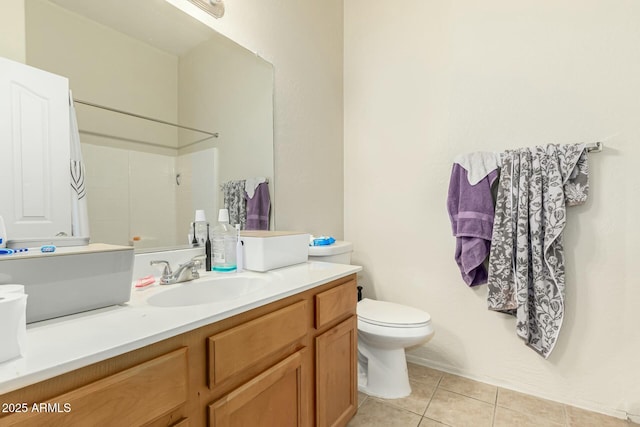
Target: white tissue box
{"points": [[71, 279], [267, 250], [13, 321]]}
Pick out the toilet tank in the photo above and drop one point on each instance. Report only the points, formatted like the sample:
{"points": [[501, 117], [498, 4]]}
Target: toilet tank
{"points": [[337, 253]]}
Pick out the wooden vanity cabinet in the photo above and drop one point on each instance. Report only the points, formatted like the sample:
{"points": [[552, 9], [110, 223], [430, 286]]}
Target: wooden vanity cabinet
{"points": [[292, 362], [336, 355], [278, 396]]}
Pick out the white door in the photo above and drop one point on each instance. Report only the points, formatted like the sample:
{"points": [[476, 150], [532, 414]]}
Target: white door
{"points": [[35, 192]]}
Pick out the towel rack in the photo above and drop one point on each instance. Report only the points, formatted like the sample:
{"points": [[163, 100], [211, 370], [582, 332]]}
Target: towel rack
{"points": [[266, 181], [594, 147]]}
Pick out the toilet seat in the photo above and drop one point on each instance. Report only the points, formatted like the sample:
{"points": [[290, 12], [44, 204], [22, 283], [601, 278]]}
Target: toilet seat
{"points": [[383, 313]]}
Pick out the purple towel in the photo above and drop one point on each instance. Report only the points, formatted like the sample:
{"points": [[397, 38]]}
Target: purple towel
{"points": [[471, 211], [258, 208]]}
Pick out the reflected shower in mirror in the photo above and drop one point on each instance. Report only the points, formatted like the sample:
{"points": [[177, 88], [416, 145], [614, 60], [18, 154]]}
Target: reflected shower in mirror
{"points": [[146, 179]]}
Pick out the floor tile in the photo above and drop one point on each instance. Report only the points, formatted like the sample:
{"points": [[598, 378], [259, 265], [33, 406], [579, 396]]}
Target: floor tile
{"points": [[456, 410], [361, 398], [374, 413], [417, 401], [505, 417], [470, 388], [451, 400], [424, 374], [580, 418], [531, 405], [427, 422]]}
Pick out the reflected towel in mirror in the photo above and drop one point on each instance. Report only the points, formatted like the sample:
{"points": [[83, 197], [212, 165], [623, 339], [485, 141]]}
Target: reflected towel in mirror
{"points": [[258, 208]]}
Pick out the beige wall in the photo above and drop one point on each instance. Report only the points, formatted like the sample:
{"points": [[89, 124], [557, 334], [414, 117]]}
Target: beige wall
{"points": [[12, 41], [425, 81], [303, 41]]}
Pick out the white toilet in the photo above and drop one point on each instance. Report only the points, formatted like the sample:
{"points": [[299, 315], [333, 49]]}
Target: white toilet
{"points": [[385, 329]]}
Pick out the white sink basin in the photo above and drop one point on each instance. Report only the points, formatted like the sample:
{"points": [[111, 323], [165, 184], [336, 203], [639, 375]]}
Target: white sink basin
{"points": [[208, 291]]}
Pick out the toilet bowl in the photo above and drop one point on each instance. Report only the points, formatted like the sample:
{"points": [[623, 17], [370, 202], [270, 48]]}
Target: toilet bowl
{"points": [[385, 329]]}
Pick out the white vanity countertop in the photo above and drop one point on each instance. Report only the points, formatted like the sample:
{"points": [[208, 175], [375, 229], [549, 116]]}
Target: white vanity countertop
{"points": [[61, 345]]}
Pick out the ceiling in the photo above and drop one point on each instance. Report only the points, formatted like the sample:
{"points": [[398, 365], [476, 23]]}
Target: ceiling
{"points": [[156, 22]]}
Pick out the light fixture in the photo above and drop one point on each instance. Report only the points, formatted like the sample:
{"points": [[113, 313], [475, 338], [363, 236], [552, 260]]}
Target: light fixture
{"points": [[214, 8]]}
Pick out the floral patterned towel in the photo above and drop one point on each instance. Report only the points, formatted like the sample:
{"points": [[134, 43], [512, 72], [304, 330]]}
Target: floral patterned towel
{"points": [[235, 202], [526, 265]]}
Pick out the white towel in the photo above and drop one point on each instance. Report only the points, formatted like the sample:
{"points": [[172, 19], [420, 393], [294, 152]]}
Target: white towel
{"points": [[251, 184], [79, 211], [478, 164]]}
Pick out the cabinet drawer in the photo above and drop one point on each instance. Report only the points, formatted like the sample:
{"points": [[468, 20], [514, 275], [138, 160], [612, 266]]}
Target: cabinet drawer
{"points": [[273, 398], [335, 303], [238, 348], [134, 396]]}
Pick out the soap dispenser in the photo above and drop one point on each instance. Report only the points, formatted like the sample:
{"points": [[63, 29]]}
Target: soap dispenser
{"points": [[224, 244]]}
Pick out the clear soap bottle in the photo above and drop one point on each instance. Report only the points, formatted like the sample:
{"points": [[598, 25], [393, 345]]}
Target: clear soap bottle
{"points": [[224, 244]]}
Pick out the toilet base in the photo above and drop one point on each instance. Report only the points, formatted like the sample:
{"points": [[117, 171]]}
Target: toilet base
{"points": [[384, 375]]}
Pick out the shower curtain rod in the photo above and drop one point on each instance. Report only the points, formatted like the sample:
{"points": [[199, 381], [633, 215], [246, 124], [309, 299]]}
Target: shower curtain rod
{"points": [[114, 110]]}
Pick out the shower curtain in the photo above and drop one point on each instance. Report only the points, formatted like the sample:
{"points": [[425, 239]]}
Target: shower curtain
{"points": [[79, 212]]}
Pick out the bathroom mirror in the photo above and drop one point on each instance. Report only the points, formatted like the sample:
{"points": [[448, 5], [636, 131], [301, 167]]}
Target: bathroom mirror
{"points": [[146, 179]]}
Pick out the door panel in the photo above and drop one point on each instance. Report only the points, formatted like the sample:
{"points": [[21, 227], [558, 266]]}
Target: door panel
{"points": [[34, 148]]}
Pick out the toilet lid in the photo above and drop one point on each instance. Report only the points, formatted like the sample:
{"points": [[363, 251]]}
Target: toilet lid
{"points": [[337, 248], [385, 313]]}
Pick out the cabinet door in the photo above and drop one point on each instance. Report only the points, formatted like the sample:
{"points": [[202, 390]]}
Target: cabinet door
{"points": [[35, 185], [273, 398], [336, 374]]}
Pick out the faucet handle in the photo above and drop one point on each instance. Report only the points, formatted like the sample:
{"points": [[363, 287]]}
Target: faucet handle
{"points": [[199, 258], [166, 271], [196, 264]]}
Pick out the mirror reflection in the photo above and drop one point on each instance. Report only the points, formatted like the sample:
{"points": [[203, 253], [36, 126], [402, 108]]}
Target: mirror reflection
{"points": [[145, 179]]}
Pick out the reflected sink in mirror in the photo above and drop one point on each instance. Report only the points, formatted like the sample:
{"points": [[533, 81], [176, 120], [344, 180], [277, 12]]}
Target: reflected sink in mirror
{"points": [[208, 290]]}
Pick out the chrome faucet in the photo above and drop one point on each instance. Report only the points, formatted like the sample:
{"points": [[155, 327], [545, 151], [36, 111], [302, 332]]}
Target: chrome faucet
{"points": [[185, 272]]}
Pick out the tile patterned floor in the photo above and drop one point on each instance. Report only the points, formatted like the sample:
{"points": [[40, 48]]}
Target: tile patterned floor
{"points": [[440, 399]]}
